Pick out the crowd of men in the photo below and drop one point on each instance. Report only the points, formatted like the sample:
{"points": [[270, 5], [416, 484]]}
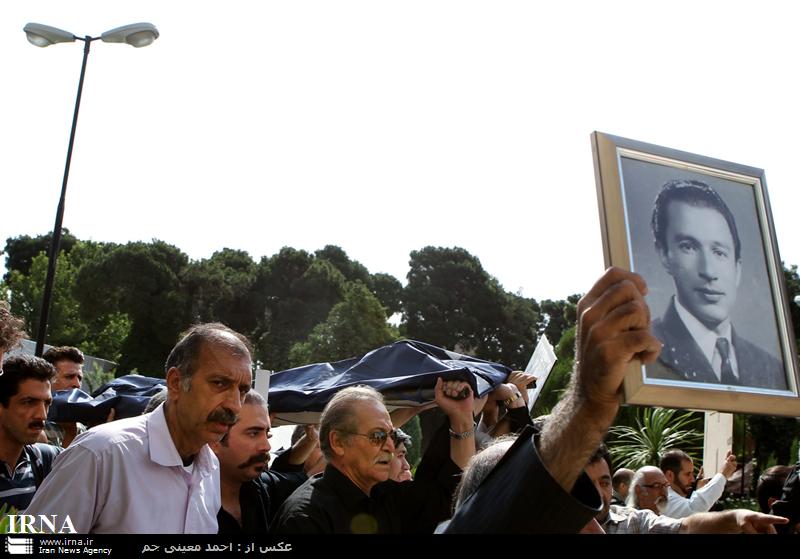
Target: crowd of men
{"points": [[198, 462]]}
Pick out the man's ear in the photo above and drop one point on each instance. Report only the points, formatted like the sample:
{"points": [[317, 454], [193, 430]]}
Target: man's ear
{"points": [[670, 475], [173, 380], [337, 442]]}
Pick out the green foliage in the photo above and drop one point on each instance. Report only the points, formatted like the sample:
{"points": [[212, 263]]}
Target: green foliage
{"points": [[143, 282], [558, 316], [96, 377], [222, 289], [452, 302], [773, 437], [389, 292], [20, 251], [413, 430], [731, 502], [353, 327], [5, 510], [656, 430], [64, 324]]}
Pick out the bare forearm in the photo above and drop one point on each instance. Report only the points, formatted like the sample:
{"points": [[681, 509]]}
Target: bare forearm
{"points": [[301, 450], [571, 435]]}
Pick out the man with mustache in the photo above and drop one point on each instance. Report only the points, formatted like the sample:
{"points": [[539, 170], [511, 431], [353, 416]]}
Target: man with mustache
{"points": [[251, 494], [354, 494], [648, 489], [626, 520], [24, 401], [678, 468], [155, 473], [698, 245]]}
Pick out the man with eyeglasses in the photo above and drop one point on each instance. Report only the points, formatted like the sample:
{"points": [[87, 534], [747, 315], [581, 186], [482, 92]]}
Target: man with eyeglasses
{"points": [[354, 495], [626, 520], [648, 489]]}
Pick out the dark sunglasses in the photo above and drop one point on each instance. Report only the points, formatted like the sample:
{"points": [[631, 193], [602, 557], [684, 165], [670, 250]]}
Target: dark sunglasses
{"points": [[377, 437]]}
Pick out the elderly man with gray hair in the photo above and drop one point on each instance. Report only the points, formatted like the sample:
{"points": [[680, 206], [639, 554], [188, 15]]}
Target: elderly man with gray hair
{"points": [[355, 494], [155, 473]]}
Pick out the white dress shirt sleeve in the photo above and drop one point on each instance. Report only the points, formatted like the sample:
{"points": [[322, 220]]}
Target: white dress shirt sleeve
{"points": [[701, 499], [70, 489]]}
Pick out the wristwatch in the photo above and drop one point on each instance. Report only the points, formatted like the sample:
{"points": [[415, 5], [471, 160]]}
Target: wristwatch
{"points": [[512, 399]]}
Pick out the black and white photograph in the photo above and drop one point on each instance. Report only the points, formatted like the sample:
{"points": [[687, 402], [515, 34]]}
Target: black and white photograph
{"points": [[697, 230]]}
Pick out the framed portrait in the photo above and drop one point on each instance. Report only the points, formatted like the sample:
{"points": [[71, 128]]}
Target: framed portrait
{"points": [[700, 233]]}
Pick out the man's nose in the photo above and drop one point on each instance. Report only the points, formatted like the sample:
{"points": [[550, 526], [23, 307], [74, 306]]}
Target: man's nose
{"points": [[389, 444], [75, 383], [263, 444], [705, 266], [233, 401], [41, 411]]}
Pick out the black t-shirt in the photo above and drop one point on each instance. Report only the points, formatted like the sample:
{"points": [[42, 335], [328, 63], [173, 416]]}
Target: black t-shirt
{"points": [[260, 499]]}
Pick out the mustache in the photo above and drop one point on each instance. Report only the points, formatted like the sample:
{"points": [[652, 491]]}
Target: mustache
{"points": [[255, 459], [384, 456], [222, 415], [36, 424]]}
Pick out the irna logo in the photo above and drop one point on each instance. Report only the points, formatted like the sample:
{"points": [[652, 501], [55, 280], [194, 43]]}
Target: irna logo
{"points": [[36, 524]]}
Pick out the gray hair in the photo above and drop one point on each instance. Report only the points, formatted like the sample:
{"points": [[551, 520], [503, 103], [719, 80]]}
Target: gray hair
{"points": [[638, 479], [186, 352], [339, 414], [479, 467], [156, 400], [254, 398]]}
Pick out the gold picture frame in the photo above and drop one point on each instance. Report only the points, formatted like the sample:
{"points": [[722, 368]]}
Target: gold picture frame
{"points": [[700, 232]]}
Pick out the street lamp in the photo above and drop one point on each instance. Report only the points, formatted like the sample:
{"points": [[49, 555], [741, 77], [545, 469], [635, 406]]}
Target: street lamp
{"points": [[136, 35]]}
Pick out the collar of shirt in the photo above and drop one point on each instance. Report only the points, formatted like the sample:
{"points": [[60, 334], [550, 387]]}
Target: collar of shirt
{"points": [[163, 450], [22, 460], [707, 339], [348, 492], [613, 516]]}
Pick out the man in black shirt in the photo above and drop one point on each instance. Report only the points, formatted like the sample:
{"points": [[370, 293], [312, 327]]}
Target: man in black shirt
{"points": [[251, 495], [354, 494]]}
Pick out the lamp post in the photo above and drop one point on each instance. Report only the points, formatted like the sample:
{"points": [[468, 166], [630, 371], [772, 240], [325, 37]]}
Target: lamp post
{"points": [[136, 35]]}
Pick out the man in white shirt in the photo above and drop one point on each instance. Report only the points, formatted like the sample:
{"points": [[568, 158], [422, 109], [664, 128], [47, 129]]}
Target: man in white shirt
{"points": [[155, 473], [698, 244], [678, 468]]}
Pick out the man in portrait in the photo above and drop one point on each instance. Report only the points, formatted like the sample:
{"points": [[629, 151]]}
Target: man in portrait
{"points": [[698, 244]]}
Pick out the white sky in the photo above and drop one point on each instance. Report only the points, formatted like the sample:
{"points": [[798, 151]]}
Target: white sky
{"points": [[383, 127]]}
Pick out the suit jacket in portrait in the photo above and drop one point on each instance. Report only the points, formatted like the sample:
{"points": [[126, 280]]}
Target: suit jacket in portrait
{"points": [[682, 359]]}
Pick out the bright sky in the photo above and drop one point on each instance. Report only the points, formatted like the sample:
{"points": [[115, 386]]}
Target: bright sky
{"points": [[383, 127]]}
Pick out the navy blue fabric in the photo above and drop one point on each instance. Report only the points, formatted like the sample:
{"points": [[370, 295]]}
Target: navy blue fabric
{"points": [[128, 395], [403, 371]]}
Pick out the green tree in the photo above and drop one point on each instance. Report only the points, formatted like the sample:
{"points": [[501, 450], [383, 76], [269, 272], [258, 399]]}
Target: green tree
{"points": [[20, 251], [558, 316], [389, 292], [222, 289], [353, 327], [64, 325], [657, 430], [452, 302], [141, 281], [299, 291]]}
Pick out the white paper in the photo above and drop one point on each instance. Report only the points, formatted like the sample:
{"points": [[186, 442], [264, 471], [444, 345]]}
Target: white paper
{"points": [[262, 383], [540, 365]]}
